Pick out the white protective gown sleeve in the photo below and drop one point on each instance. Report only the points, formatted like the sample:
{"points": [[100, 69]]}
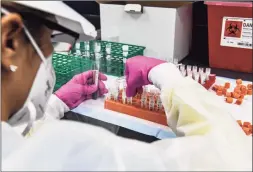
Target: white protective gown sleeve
{"points": [[56, 108], [212, 140]]}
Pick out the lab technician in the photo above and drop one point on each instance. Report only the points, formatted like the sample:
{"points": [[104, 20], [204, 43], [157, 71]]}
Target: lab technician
{"points": [[208, 137]]}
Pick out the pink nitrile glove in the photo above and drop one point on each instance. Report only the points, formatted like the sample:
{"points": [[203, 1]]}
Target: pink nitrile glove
{"points": [[136, 71], [81, 88]]}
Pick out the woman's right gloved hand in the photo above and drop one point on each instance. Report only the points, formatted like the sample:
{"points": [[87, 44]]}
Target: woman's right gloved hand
{"points": [[136, 71]]}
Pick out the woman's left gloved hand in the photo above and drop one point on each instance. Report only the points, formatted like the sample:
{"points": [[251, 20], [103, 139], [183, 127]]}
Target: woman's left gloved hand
{"points": [[80, 88]]}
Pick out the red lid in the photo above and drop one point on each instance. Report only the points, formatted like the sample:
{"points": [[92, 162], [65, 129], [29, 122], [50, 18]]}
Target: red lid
{"points": [[234, 4]]}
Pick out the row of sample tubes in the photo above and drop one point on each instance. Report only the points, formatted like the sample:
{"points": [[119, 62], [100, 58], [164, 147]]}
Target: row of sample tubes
{"points": [[174, 61], [97, 50], [199, 74], [149, 99]]}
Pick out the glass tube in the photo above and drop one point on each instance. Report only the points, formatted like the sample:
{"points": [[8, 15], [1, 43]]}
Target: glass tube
{"points": [[142, 101], [108, 48], [95, 68], [196, 77], [182, 67], [201, 70], [77, 46], [97, 56], [97, 47], [123, 96], [151, 103], [115, 95], [183, 72], [202, 78], [125, 48], [87, 46], [129, 100], [208, 71], [175, 61], [189, 68], [78, 52], [189, 74], [194, 69]]}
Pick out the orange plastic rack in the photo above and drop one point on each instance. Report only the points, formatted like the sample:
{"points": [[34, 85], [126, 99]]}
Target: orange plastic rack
{"points": [[135, 109]]}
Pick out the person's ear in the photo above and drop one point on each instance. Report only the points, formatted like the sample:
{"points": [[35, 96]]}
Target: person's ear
{"points": [[11, 31]]}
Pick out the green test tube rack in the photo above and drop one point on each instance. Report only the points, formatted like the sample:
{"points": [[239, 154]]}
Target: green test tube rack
{"points": [[111, 64], [67, 66], [79, 60]]}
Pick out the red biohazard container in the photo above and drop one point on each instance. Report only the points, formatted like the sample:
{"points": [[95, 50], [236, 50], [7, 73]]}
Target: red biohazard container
{"points": [[230, 35]]}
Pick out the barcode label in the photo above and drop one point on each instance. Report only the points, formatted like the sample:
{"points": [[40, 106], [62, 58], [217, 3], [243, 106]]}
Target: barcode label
{"points": [[244, 44]]}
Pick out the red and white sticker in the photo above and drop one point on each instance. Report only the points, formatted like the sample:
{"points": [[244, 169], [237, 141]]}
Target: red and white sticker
{"points": [[236, 32]]}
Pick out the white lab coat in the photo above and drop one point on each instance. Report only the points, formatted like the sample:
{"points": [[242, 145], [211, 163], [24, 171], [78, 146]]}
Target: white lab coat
{"points": [[212, 140]]}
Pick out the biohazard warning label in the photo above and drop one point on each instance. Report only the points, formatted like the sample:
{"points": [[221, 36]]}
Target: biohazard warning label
{"points": [[236, 32]]}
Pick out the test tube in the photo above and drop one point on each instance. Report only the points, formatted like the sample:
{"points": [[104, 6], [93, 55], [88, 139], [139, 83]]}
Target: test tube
{"points": [[108, 57], [108, 48], [202, 78], [124, 84], [129, 100], [123, 97], [208, 72], [115, 95], [145, 89], [189, 68], [196, 77], [95, 68], [189, 74], [151, 103], [87, 46], [124, 62], [117, 85], [97, 56], [159, 103], [108, 63], [194, 69], [77, 45], [175, 61], [183, 72], [182, 67], [97, 47], [78, 52], [201, 70], [142, 101], [125, 49]]}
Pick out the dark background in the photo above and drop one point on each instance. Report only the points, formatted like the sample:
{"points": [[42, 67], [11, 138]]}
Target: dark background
{"points": [[197, 56]]}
